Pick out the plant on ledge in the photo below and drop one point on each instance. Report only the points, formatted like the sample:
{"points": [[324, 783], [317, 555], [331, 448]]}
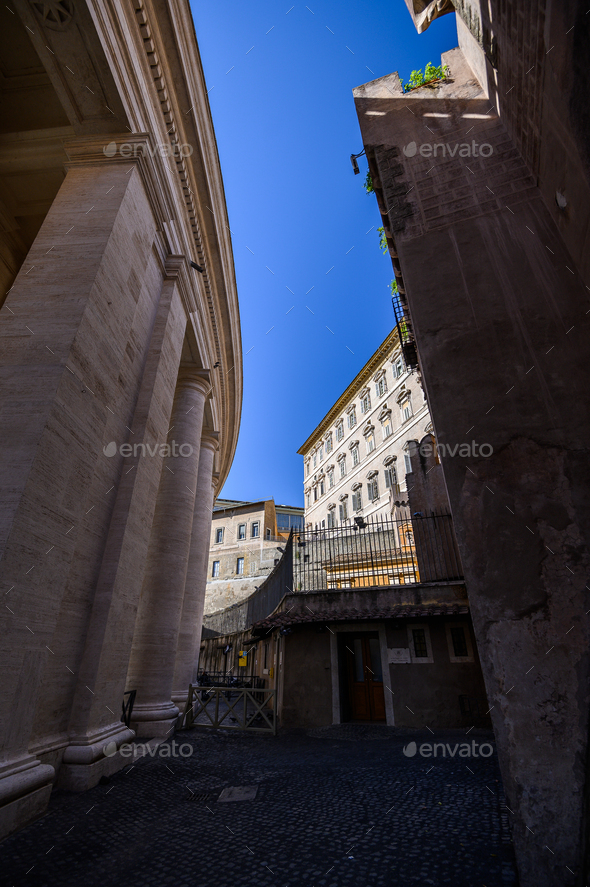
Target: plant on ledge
{"points": [[431, 72], [369, 183]]}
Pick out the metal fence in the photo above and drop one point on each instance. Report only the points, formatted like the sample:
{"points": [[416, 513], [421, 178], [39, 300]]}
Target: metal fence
{"points": [[260, 603], [235, 709], [377, 552]]}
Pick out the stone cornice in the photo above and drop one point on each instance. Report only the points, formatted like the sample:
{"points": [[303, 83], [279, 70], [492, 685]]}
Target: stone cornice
{"points": [[390, 343]]}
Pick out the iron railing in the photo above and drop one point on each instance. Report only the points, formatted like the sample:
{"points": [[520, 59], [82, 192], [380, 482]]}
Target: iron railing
{"points": [[242, 709], [229, 679], [375, 552]]}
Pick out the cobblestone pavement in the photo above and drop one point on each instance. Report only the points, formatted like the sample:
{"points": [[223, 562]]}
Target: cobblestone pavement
{"points": [[335, 806]]}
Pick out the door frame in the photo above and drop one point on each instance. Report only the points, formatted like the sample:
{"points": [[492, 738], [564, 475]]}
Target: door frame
{"points": [[335, 629]]}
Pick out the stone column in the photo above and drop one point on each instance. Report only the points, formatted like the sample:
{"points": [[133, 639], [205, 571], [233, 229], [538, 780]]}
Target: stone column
{"points": [[151, 667], [67, 388], [196, 577]]}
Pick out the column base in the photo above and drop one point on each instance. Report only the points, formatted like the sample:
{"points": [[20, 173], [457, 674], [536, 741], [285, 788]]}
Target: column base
{"points": [[25, 787], [154, 720], [89, 757]]}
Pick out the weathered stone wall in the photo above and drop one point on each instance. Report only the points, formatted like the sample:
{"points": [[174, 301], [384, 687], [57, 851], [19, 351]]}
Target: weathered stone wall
{"points": [[498, 303]]}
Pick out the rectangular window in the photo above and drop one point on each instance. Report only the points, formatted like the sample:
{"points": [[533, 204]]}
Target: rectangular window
{"points": [[343, 510], [390, 477], [308, 499], [241, 531], [398, 368], [219, 535], [321, 452], [330, 519], [240, 566], [407, 411], [255, 530], [386, 430], [315, 460], [381, 387], [215, 570], [365, 404], [370, 443], [420, 647], [307, 468], [407, 463], [352, 419], [355, 455], [315, 494], [339, 431], [330, 478], [374, 490], [459, 642], [329, 444], [357, 501], [342, 467], [322, 490]]}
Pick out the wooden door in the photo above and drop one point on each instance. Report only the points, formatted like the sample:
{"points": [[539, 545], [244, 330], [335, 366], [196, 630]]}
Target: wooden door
{"points": [[365, 677]]}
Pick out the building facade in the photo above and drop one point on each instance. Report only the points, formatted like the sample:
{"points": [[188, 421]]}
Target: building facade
{"points": [[356, 460], [483, 183], [245, 547], [121, 389]]}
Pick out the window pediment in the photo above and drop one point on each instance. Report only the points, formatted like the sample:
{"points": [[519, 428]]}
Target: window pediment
{"points": [[343, 497], [341, 457], [356, 486], [389, 460], [353, 444], [350, 409], [403, 394], [372, 474]]}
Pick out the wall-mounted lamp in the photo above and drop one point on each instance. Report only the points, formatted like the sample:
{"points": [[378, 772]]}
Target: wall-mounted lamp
{"points": [[355, 165], [197, 267]]}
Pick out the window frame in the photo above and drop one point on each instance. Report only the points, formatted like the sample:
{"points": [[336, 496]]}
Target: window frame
{"points": [[424, 660], [243, 527], [255, 530], [219, 532], [215, 569], [468, 643], [240, 566]]}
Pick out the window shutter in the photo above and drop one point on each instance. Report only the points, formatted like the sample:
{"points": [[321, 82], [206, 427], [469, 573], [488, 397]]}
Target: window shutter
{"points": [[341, 512]]}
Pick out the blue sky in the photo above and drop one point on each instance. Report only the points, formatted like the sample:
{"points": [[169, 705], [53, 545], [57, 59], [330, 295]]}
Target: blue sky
{"points": [[312, 282]]}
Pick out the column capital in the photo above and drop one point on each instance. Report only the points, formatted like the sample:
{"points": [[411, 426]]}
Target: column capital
{"points": [[191, 377], [128, 149], [210, 439]]}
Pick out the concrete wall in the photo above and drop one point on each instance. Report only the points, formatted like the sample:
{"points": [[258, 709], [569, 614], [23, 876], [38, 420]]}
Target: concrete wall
{"points": [[427, 694]]}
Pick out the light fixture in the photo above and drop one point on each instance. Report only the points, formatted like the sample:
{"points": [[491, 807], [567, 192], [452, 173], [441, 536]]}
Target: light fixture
{"points": [[197, 267], [355, 165]]}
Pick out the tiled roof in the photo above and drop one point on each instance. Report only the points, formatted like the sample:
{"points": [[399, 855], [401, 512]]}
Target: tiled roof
{"points": [[398, 611]]}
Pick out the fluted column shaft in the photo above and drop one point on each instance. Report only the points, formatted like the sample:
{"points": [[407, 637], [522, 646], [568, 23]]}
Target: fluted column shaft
{"points": [[189, 636], [151, 668]]}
